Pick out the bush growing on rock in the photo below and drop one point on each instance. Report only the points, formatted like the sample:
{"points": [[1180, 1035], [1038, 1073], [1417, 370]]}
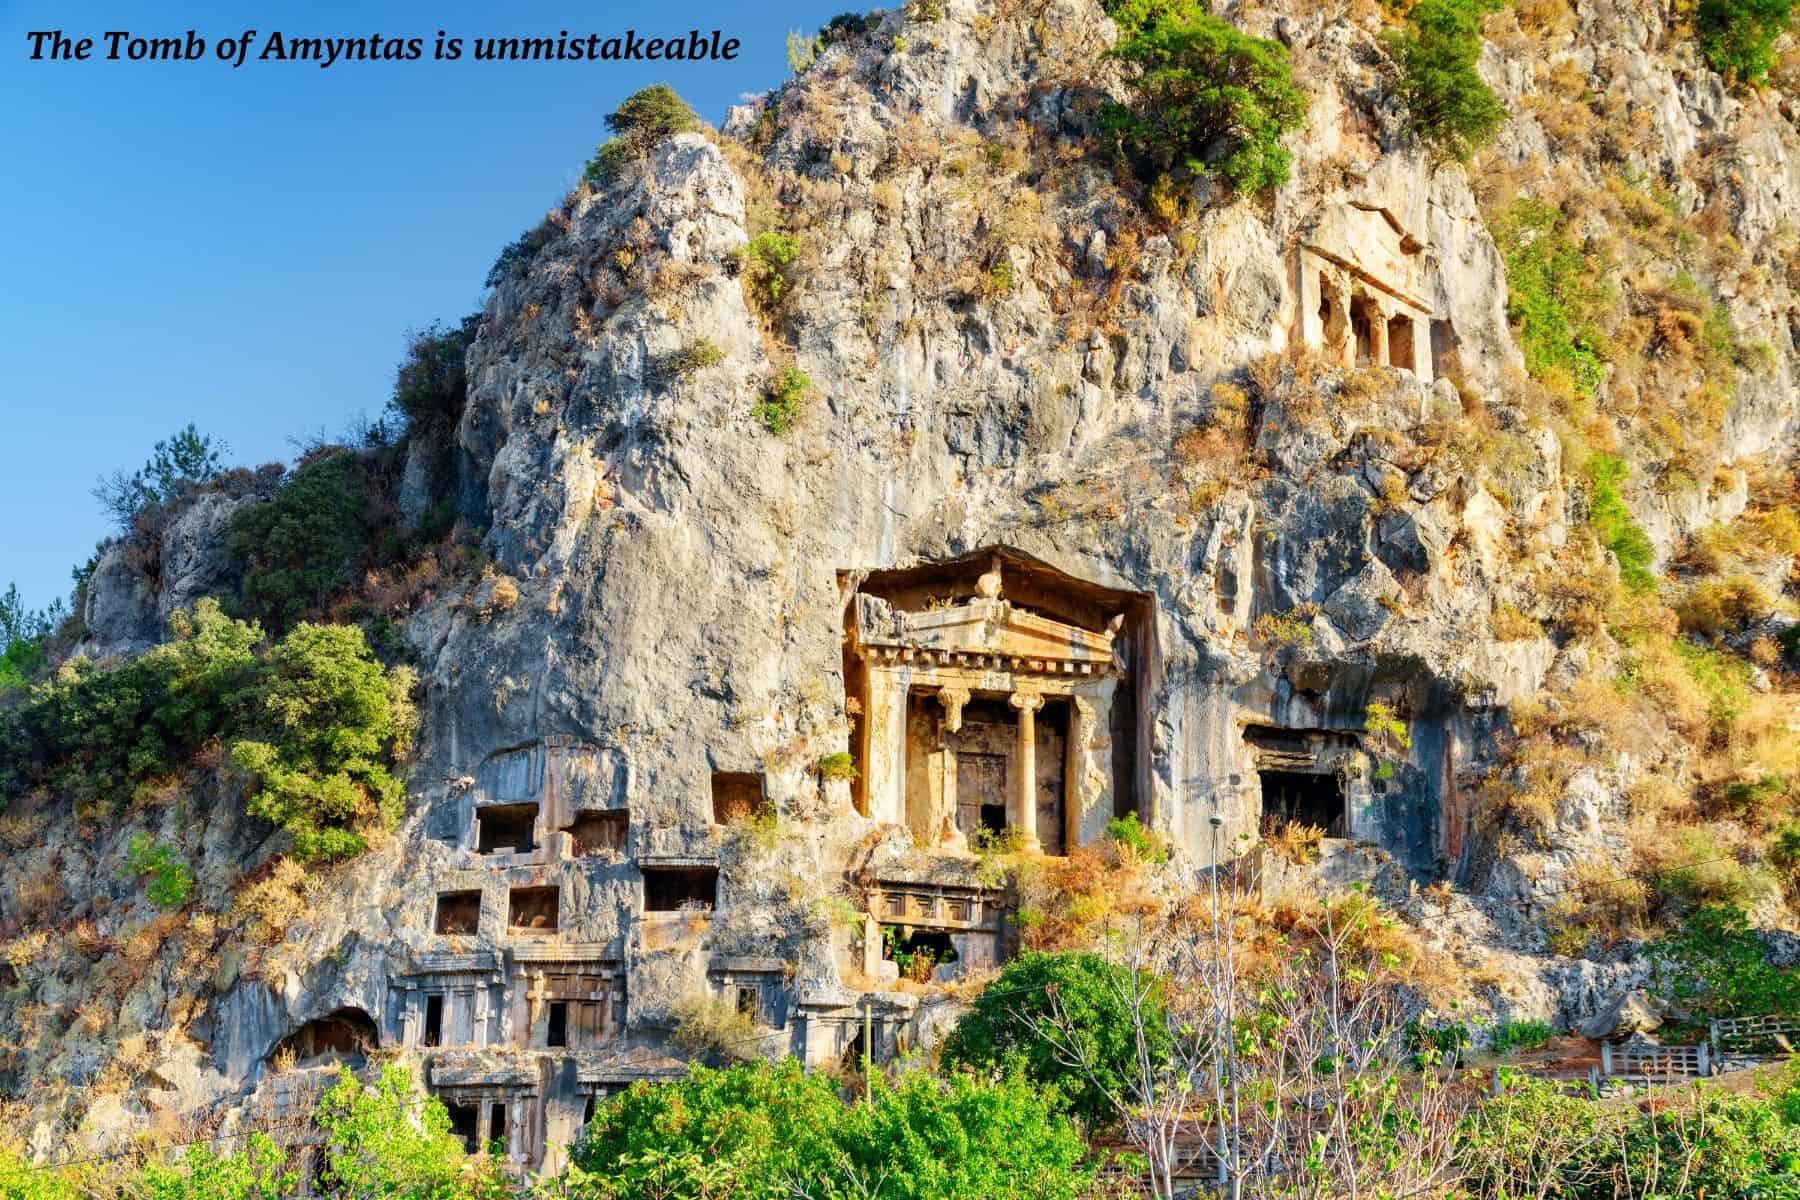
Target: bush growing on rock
{"points": [[303, 545], [177, 465], [1447, 104], [1738, 36], [325, 723], [1207, 97], [431, 384], [314, 721], [648, 117]]}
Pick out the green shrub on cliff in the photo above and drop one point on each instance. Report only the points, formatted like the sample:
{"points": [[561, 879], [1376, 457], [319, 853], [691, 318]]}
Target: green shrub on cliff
{"points": [[648, 117], [314, 722], [1206, 97], [1447, 104], [305, 543], [1738, 36]]}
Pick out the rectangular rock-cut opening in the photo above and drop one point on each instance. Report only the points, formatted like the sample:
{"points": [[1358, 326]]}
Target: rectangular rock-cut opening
{"points": [[600, 832], [1362, 323], [749, 1001], [532, 910], [737, 797], [1444, 357], [681, 889], [1400, 342], [556, 1033], [458, 914], [506, 829], [917, 952], [434, 1021], [465, 1124], [497, 1124], [1305, 798]]}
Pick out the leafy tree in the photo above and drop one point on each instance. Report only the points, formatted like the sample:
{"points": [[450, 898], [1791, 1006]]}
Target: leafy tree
{"points": [[257, 1172], [964, 1139], [304, 544], [99, 735], [314, 720], [1078, 992], [1738, 36], [747, 1130], [22, 635], [177, 464], [648, 118], [431, 384], [1447, 103], [1206, 96], [384, 1139], [326, 721], [763, 1131]]}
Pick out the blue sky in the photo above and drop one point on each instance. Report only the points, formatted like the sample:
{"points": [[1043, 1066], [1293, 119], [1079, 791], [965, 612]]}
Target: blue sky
{"points": [[246, 248]]}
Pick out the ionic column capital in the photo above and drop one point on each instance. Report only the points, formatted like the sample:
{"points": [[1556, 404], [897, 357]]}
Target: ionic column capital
{"points": [[1026, 702]]}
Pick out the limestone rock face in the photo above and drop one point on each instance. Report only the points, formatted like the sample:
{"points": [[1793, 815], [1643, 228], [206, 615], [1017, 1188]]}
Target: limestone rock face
{"points": [[645, 763], [128, 603]]}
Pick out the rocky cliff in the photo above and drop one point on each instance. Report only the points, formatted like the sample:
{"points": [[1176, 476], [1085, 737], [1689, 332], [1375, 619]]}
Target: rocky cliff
{"points": [[1258, 500]]}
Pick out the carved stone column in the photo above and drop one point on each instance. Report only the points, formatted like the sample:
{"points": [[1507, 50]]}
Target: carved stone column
{"points": [[1025, 801], [953, 699]]}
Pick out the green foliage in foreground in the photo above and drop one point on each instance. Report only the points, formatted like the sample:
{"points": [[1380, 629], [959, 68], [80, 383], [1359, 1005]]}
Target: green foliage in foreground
{"points": [[1083, 992], [765, 1131], [1533, 1140], [1738, 36], [381, 1139], [1206, 97], [314, 722], [1447, 104]]}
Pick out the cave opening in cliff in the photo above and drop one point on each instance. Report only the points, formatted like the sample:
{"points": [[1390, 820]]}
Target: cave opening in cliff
{"points": [[737, 797], [458, 914], [533, 909], [1306, 798], [507, 829], [346, 1033], [600, 832], [994, 696], [681, 889]]}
